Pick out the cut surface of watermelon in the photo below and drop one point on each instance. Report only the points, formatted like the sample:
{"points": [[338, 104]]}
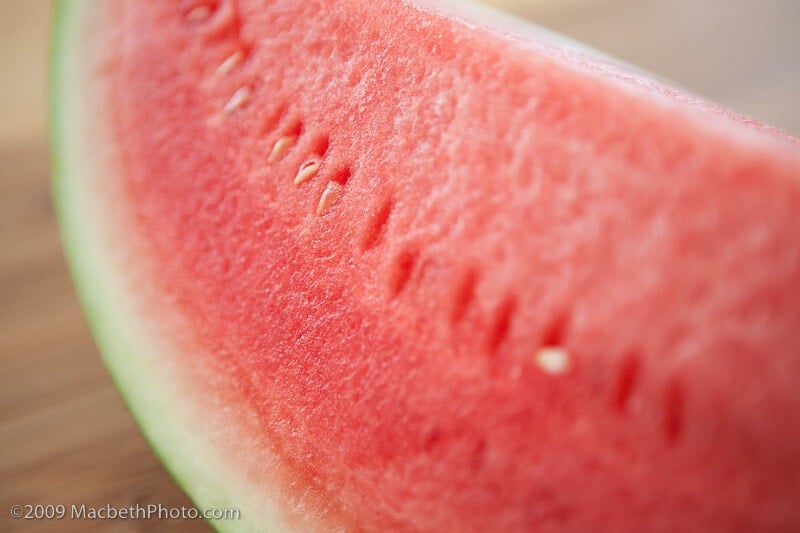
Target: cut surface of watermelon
{"points": [[379, 265]]}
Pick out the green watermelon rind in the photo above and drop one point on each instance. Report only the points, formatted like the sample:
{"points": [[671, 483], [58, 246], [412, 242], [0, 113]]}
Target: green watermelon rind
{"points": [[127, 345]]}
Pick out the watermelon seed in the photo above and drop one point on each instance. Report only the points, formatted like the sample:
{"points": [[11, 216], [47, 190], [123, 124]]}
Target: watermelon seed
{"points": [[199, 13], [502, 324], [332, 192], [377, 224], [307, 171], [403, 268], [553, 360], [464, 296], [239, 98], [281, 146], [673, 411], [628, 374], [230, 63]]}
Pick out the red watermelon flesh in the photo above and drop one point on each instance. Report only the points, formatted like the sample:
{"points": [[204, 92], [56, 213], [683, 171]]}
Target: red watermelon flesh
{"points": [[376, 265]]}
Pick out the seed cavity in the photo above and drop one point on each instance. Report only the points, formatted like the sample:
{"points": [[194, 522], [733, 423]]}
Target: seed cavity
{"points": [[554, 334], [553, 360], [307, 171], [330, 195], [674, 400], [281, 146], [231, 62], [342, 176], [295, 126], [376, 226], [464, 295], [502, 324], [199, 13], [626, 381], [319, 145], [478, 459], [403, 268], [433, 439], [239, 98]]}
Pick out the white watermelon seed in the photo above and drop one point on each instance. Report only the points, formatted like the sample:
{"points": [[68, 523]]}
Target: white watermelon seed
{"points": [[198, 14], [306, 172], [281, 146], [239, 98], [329, 196], [230, 63], [553, 360]]}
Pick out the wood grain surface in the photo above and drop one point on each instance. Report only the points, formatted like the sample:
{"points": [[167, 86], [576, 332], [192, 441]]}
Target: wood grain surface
{"points": [[65, 436]]}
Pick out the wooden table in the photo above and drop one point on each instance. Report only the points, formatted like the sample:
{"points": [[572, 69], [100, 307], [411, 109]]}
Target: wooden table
{"points": [[65, 436]]}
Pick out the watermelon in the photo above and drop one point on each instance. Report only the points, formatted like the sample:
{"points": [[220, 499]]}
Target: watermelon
{"points": [[395, 266]]}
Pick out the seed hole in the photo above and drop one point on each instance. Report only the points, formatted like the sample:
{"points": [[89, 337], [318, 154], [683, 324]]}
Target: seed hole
{"points": [[554, 334], [342, 176], [319, 145], [674, 400], [433, 439], [464, 295], [226, 21], [502, 324], [355, 77], [273, 115], [402, 270], [295, 128], [626, 381], [478, 459], [376, 225], [200, 12]]}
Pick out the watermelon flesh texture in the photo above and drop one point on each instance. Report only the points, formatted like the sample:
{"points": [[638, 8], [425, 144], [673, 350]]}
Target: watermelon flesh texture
{"points": [[378, 266]]}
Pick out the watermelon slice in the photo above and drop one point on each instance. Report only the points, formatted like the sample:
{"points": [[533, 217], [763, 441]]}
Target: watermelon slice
{"points": [[384, 265]]}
